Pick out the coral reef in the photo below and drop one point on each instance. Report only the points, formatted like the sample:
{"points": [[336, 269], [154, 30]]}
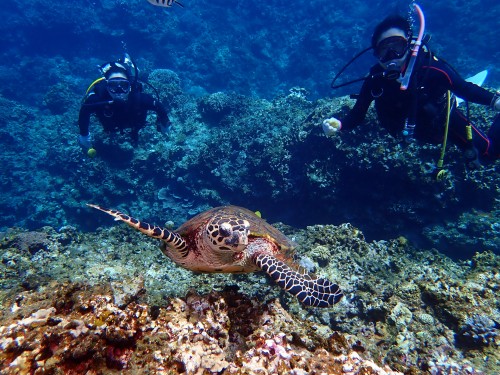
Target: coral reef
{"points": [[227, 143], [74, 329], [215, 107], [480, 329], [246, 87], [168, 86], [115, 300], [244, 150]]}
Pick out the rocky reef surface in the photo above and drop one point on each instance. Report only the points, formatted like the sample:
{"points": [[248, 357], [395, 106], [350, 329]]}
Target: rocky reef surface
{"points": [[110, 301]]}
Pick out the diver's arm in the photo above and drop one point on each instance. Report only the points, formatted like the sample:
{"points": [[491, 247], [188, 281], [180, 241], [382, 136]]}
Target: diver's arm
{"points": [[92, 102], [460, 87], [471, 92], [84, 118], [84, 138], [161, 112], [358, 113], [152, 104]]}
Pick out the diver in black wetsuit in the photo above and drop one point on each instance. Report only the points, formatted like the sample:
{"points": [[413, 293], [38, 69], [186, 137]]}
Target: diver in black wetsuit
{"points": [[419, 111], [119, 103]]}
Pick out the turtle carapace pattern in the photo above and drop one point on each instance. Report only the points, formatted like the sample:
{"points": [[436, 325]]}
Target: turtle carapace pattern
{"points": [[232, 239]]}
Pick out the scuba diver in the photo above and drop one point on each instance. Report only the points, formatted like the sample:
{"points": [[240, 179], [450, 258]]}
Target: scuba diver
{"points": [[414, 94], [119, 103]]}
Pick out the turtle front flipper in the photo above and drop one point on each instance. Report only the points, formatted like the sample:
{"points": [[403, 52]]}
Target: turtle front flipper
{"points": [[309, 291], [172, 239]]}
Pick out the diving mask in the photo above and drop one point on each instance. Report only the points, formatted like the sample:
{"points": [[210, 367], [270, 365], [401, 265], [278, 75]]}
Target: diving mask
{"points": [[118, 86], [391, 48]]}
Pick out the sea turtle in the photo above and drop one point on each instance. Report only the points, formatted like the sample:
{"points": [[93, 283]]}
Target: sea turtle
{"points": [[231, 239]]}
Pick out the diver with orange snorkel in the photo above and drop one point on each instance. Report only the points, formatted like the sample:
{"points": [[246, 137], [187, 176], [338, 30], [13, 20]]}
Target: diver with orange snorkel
{"points": [[415, 95]]}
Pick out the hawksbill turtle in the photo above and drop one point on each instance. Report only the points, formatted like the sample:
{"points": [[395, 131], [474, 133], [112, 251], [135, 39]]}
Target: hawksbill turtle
{"points": [[232, 239]]}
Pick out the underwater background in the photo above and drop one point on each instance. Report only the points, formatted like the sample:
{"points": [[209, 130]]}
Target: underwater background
{"points": [[247, 85]]}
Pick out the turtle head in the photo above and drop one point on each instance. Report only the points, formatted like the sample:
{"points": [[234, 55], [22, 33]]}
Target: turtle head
{"points": [[227, 233]]}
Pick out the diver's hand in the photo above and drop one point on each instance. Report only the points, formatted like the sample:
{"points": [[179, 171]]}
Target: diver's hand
{"points": [[85, 141], [331, 126]]}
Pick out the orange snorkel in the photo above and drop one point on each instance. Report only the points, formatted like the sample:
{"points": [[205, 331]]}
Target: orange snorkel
{"points": [[405, 80]]}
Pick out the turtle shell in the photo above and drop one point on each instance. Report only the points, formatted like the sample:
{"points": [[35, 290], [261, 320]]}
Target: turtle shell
{"points": [[258, 226]]}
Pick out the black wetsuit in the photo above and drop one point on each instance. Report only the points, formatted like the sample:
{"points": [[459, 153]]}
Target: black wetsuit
{"points": [[115, 115], [431, 79]]}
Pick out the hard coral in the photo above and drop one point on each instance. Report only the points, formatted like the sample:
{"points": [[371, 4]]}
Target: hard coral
{"points": [[31, 241], [73, 329], [215, 107], [479, 330], [168, 84]]}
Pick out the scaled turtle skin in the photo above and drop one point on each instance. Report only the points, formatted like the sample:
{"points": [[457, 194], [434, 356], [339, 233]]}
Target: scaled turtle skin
{"points": [[231, 239]]}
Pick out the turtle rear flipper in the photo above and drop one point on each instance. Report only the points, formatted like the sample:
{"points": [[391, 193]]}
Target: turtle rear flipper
{"points": [[309, 291]]}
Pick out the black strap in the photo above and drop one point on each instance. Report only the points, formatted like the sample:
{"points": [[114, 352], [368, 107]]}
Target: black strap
{"points": [[333, 86]]}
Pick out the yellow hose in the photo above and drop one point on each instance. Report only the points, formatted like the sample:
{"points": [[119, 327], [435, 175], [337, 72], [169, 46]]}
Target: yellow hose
{"points": [[93, 84], [440, 162]]}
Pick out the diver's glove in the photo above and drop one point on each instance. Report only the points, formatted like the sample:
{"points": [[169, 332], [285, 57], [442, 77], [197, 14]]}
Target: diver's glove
{"points": [[163, 128], [472, 158], [85, 141], [331, 126]]}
